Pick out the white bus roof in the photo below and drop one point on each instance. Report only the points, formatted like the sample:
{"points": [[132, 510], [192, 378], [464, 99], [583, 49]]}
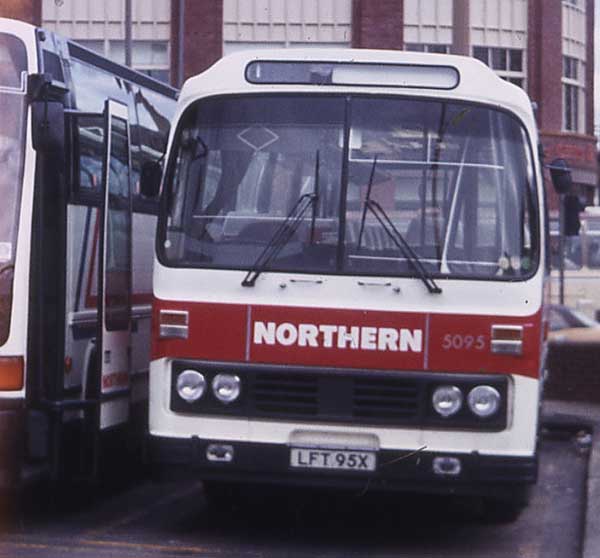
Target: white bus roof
{"points": [[476, 82], [15, 26]]}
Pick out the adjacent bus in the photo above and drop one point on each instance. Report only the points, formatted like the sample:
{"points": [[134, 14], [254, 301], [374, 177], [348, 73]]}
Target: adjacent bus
{"points": [[76, 249], [350, 274]]}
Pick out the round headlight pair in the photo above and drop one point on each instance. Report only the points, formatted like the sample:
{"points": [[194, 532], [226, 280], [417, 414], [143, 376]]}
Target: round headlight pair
{"points": [[226, 387], [484, 401], [191, 386]]}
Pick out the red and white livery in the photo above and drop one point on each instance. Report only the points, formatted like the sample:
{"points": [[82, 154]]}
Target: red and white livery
{"points": [[75, 255], [350, 272]]}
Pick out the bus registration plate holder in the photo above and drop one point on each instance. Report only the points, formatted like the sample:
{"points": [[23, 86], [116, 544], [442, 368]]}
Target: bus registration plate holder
{"points": [[346, 460]]}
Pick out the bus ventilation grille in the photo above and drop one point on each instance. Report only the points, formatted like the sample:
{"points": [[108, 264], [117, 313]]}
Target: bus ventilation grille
{"points": [[338, 397]]}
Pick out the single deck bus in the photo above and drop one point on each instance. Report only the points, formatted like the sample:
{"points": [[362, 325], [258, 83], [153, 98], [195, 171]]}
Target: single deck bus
{"points": [[350, 274], [76, 249]]}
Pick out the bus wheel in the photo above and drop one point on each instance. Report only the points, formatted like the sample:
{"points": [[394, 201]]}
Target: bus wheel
{"points": [[508, 507]]}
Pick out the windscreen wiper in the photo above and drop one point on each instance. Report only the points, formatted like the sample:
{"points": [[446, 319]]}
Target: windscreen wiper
{"points": [[285, 231], [396, 236]]}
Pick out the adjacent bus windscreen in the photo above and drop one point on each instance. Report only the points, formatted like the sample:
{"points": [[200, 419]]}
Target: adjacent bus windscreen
{"points": [[13, 68], [454, 180]]}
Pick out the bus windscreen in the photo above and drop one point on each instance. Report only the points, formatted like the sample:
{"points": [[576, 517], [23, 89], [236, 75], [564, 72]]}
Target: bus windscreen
{"points": [[454, 179]]}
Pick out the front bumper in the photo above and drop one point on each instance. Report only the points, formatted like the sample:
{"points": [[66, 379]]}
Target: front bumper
{"points": [[396, 469]]}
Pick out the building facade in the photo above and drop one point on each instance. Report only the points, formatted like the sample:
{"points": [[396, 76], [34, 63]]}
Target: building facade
{"points": [[544, 46]]}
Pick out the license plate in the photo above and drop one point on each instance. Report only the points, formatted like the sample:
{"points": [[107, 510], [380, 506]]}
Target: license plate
{"points": [[333, 459]]}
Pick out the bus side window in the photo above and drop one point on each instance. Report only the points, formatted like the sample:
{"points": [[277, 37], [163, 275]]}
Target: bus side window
{"points": [[91, 87], [89, 133]]}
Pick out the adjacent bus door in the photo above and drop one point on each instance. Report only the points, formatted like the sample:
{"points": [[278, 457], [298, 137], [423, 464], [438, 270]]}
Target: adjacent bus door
{"points": [[114, 280]]}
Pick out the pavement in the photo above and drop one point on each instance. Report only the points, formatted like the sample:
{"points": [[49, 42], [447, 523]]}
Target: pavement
{"points": [[584, 421]]}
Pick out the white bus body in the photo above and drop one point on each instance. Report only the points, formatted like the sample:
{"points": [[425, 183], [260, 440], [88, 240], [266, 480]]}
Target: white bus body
{"points": [[296, 337], [61, 406]]}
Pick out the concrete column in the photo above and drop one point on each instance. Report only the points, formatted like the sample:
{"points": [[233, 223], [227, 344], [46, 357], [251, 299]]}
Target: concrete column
{"points": [[378, 24], [461, 28], [24, 10]]}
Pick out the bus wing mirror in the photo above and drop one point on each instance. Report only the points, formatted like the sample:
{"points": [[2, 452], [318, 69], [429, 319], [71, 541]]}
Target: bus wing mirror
{"points": [[150, 179], [48, 126], [561, 175]]}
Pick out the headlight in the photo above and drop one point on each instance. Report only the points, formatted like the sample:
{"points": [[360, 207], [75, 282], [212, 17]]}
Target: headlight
{"points": [[447, 400], [484, 401], [190, 385], [226, 387]]}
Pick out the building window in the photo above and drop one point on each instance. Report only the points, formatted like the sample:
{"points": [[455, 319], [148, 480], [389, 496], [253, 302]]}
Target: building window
{"points": [[570, 69], [572, 92], [506, 62], [422, 47]]}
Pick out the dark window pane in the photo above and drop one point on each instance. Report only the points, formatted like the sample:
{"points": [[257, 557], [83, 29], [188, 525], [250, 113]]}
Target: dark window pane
{"points": [[439, 49], [575, 103], [13, 61], [571, 108], [90, 146], [118, 234], [499, 59], [516, 60], [242, 166], [570, 67], [515, 81], [567, 108], [454, 218], [481, 53], [53, 66], [415, 47], [13, 111]]}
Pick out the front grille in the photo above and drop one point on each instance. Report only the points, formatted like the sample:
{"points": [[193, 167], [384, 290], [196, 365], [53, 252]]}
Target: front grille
{"points": [[286, 394], [339, 397], [380, 398]]}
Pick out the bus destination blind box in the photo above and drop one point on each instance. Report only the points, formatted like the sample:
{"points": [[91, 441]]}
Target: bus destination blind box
{"points": [[373, 75]]}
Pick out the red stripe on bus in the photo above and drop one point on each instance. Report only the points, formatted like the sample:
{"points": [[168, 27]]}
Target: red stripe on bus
{"points": [[384, 340]]}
